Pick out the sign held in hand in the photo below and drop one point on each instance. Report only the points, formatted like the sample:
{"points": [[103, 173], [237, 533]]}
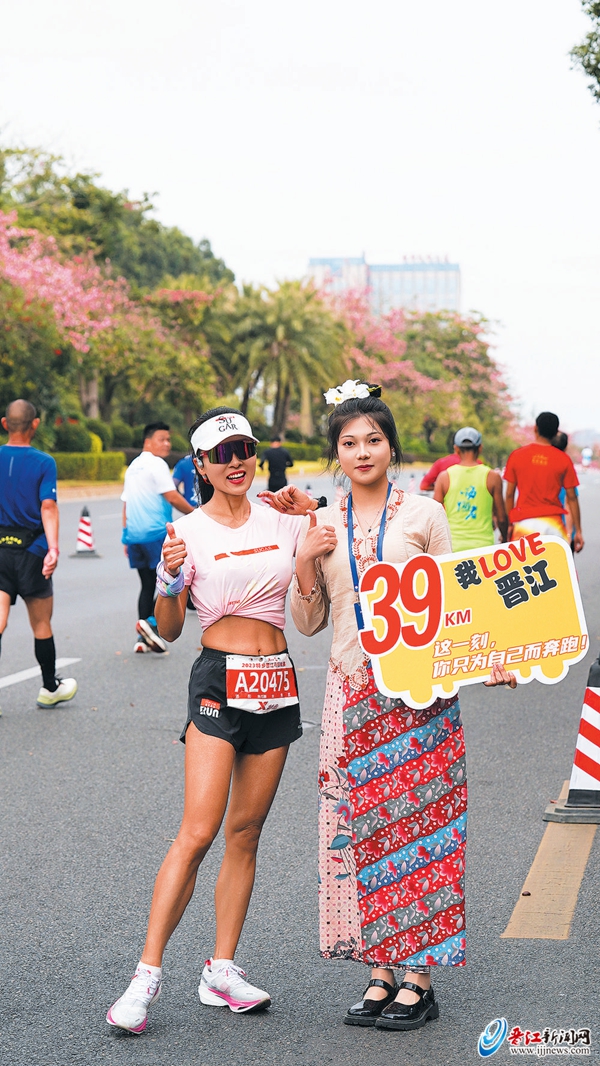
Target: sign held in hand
{"points": [[433, 624]]}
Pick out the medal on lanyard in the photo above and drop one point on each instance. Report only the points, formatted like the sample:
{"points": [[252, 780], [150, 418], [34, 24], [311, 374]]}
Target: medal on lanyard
{"points": [[357, 608]]}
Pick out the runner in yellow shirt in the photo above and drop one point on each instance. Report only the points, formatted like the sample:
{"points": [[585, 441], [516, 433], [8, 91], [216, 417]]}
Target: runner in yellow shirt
{"points": [[471, 494]]}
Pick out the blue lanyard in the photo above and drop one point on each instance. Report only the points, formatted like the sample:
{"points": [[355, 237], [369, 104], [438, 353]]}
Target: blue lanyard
{"points": [[357, 608]]}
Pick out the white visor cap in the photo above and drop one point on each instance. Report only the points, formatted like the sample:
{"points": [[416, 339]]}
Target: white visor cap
{"points": [[218, 429]]}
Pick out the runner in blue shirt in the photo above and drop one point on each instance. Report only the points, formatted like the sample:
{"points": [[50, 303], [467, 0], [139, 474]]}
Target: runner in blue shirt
{"points": [[560, 441], [184, 476], [29, 541]]}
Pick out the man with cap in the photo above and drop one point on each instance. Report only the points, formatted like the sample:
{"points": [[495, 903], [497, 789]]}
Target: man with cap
{"points": [[472, 495]]}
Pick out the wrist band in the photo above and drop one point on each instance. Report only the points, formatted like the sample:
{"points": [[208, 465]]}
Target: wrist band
{"points": [[166, 584]]}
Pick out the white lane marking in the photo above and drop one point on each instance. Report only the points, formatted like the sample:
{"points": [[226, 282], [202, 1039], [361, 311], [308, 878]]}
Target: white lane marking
{"points": [[34, 671]]}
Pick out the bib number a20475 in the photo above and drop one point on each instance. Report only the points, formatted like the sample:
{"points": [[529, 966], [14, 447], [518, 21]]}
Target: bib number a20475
{"points": [[260, 685]]}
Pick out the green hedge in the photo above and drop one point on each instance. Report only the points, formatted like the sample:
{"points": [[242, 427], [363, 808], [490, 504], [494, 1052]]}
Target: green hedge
{"points": [[89, 466], [297, 451], [72, 438]]}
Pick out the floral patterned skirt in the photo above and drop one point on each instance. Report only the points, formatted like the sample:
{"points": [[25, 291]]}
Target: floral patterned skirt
{"points": [[392, 829]]}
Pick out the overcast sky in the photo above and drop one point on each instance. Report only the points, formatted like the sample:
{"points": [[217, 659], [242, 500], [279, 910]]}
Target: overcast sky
{"points": [[283, 131]]}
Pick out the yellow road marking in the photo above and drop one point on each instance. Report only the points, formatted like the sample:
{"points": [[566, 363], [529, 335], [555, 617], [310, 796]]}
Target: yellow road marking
{"points": [[553, 882]]}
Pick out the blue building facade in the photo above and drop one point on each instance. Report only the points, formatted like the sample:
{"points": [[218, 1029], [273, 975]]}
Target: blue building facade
{"points": [[415, 284]]}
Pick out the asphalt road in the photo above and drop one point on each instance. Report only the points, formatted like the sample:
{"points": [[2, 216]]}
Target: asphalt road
{"points": [[92, 796]]}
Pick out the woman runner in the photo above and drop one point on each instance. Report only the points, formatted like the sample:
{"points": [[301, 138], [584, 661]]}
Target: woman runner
{"points": [[236, 559], [392, 780]]}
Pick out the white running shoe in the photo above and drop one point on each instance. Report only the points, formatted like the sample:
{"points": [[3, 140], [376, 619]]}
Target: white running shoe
{"points": [[131, 1010], [67, 687], [149, 633], [224, 985], [140, 647]]}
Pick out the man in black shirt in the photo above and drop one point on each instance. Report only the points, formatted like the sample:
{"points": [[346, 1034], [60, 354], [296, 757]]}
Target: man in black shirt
{"points": [[278, 459]]}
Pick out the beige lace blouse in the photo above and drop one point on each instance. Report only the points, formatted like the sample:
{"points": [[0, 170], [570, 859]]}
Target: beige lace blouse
{"points": [[414, 524]]}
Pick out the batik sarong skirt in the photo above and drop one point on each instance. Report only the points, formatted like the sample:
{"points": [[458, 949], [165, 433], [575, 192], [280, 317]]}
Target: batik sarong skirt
{"points": [[392, 829]]}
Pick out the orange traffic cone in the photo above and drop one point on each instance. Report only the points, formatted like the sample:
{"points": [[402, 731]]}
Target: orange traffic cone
{"points": [[583, 801], [84, 549]]}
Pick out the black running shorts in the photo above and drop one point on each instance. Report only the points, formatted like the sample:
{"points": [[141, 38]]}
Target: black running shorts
{"points": [[248, 732], [21, 575]]}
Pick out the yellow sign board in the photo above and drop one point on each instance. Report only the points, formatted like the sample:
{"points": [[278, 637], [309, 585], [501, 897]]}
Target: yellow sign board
{"points": [[436, 623]]}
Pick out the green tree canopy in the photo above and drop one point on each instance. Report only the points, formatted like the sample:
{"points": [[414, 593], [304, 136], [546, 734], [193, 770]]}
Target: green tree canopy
{"points": [[83, 215], [35, 362], [587, 54]]}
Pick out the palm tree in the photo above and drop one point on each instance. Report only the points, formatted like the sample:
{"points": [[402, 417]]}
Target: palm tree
{"points": [[291, 341]]}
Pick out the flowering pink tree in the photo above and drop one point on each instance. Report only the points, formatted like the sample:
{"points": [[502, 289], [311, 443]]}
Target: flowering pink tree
{"points": [[83, 301], [378, 345], [122, 347], [436, 368]]}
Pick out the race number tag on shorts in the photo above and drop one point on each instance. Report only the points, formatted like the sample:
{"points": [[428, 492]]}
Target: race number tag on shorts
{"points": [[260, 684]]}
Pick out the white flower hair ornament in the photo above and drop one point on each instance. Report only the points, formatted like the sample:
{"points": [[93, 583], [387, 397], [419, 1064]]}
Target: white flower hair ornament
{"points": [[350, 390]]}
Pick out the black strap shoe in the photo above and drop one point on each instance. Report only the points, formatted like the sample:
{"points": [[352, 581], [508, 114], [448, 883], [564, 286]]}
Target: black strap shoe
{"points": [[410, 1015], [368, 1010]]}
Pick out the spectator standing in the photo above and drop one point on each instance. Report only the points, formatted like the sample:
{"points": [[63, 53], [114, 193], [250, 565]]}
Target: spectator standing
{"points": [[148, 496], [184, 476], [278, 460], [538, 472], [471, 494], [29, 542]]}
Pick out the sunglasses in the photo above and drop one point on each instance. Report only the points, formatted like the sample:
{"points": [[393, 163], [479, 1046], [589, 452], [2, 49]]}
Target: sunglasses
{"points": [[223, 453]]}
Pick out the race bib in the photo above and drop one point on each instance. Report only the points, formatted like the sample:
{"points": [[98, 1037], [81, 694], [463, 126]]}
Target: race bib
{"points": [[260, 683]]}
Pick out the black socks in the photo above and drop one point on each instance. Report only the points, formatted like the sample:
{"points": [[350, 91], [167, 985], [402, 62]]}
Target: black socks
{"points": [[45, 654]]}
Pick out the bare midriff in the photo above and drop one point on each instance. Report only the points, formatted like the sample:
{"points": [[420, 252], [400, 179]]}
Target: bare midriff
{"points": [[244, 636]]}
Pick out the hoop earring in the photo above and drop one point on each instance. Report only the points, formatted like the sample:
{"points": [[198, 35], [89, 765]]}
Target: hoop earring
{"points": [[199, 470]]}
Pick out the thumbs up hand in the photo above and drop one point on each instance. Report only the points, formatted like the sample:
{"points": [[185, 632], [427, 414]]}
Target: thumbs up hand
{"points": [[174, 551], [320, 539]]}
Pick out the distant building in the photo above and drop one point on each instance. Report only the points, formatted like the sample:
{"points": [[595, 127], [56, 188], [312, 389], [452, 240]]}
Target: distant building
{"points": [[416, 284]]}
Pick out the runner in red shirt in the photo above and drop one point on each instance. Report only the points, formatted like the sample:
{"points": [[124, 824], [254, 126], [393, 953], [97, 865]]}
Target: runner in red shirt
{"points": [[429, 479], [539, 471]]}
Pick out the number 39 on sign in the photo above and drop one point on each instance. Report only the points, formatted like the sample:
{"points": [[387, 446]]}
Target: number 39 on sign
{"points": [[435, 624]]}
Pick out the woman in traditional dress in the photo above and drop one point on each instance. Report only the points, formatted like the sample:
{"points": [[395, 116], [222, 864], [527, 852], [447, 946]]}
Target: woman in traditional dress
{"points": [[392, 780]]}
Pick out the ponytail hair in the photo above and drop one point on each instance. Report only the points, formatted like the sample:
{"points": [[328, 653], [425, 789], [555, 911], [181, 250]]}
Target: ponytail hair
{"points": [[204, 489]]}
